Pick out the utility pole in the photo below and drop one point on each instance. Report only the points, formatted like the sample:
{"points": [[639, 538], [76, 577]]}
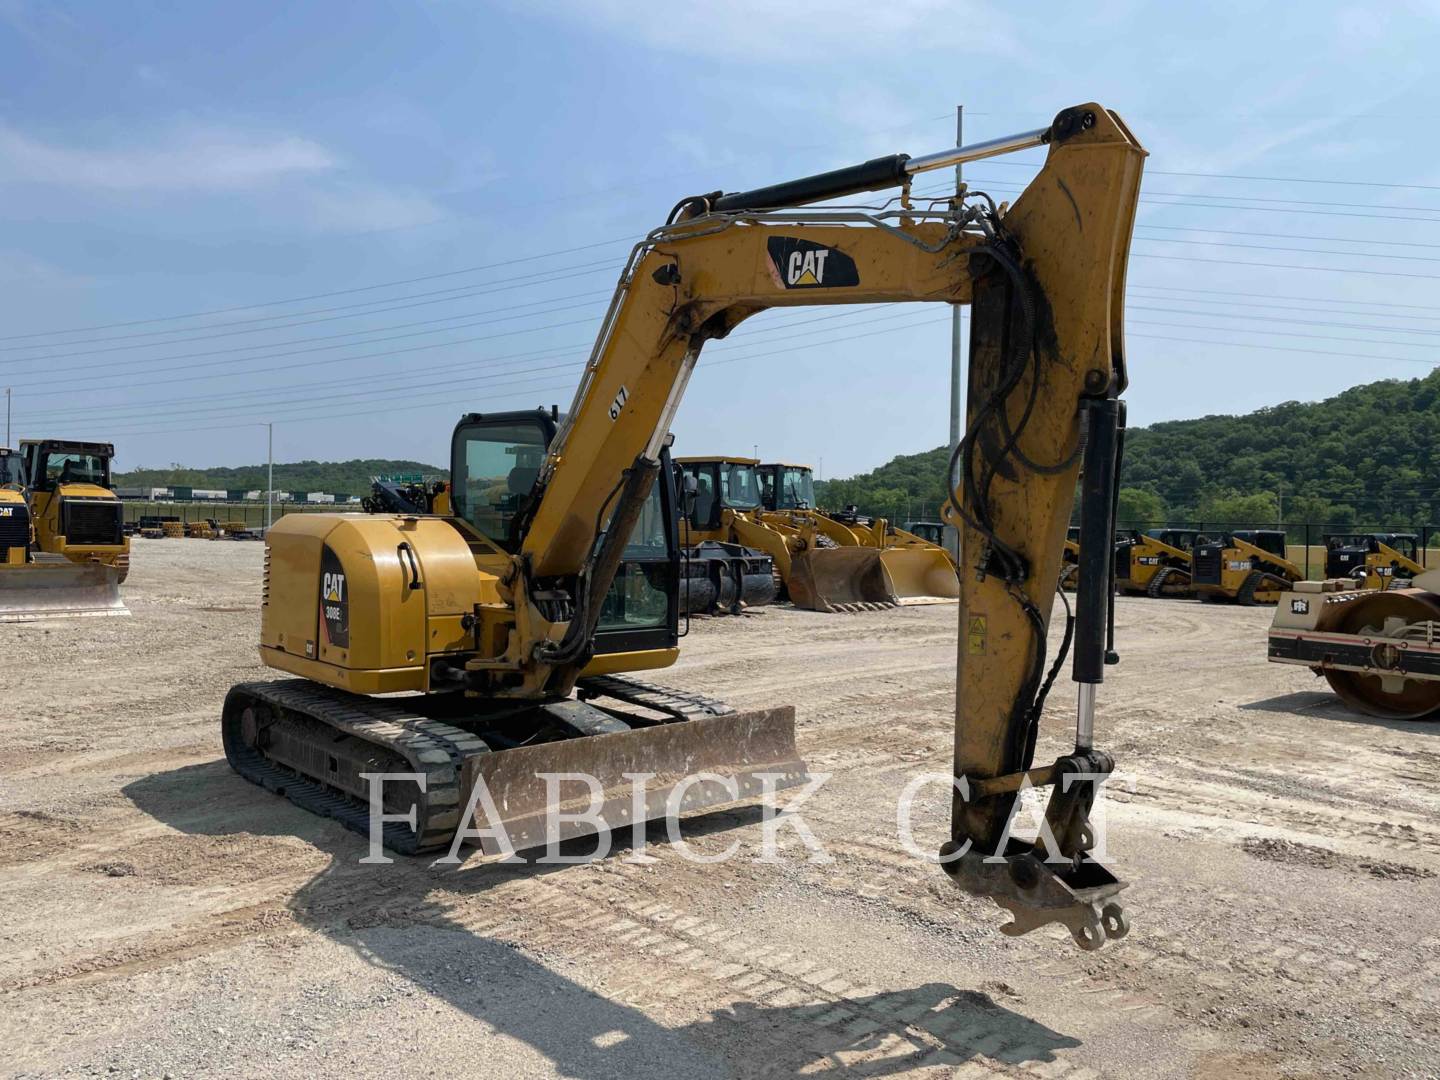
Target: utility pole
{"points": [[270, 473], [957, 356], [7, 417]]}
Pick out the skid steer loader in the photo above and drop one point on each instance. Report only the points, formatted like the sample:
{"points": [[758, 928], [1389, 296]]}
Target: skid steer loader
{"points": [[40, 577], [1155, 563], [1249, 566], [1376, 560], [481, 629]]}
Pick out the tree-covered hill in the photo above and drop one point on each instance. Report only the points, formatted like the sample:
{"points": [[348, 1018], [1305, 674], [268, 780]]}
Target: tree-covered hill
{"points": [[1366, 456], [336, 477]]}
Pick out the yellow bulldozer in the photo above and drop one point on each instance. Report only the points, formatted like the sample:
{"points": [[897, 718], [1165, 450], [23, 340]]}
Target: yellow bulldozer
{"points": [[65, 552], [1248, 566], [482, 628], [1376, 560], [823, 561]]}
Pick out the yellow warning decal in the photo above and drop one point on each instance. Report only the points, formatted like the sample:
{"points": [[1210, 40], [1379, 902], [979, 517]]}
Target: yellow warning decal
{"points": [[976, 635]]}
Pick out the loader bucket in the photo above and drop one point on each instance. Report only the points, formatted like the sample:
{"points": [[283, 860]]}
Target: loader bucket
{"points": [[686, 766], [922, 575], [59, 590], [840, 579]]}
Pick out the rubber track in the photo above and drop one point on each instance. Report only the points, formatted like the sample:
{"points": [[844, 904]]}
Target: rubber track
{"points": [[425, 746], [680, 704]]}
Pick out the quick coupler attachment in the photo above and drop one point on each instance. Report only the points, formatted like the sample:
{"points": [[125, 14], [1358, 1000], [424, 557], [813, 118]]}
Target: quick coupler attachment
{"points": [[1052, 878]]}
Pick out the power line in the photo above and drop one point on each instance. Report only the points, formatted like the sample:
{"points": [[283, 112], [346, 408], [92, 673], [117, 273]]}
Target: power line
{"points": [[445, 296], [1277, 247], [1281, 348], [322, 295], [1284, 266], [1327, 300], [1290, 236], [1236, 176], [574, 350], [764, 351]]}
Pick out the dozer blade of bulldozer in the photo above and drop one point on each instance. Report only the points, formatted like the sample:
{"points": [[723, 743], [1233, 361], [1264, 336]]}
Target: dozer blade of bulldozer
{"points": [[59, 590], [542, 795], [922, 575]]}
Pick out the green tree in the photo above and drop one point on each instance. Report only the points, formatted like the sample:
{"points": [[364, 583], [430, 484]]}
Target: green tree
{"points": [[1139, 506]]}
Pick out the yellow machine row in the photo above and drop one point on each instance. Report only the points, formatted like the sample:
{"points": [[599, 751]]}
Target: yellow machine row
{"points": [[512, 618], [824, 561]]}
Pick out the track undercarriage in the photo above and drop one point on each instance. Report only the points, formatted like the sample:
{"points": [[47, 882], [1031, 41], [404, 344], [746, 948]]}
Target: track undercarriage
{"points": [[552, 770]]}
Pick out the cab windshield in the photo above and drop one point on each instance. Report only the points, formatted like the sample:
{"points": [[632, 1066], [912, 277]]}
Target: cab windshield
{"points": [[10, 472], [76, 469], [797, 490], [740, 486]]}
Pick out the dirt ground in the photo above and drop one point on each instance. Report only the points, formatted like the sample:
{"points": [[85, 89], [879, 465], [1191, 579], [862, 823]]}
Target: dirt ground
{"points": [[163, 917]]}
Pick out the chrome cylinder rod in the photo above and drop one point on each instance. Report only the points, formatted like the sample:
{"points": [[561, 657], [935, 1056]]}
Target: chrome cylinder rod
{"points": [[1085, 717], [959, 155]]}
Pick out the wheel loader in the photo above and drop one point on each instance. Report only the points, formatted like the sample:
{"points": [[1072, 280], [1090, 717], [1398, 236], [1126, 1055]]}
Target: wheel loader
{"points": [[823, 561], [63, 553], [1379, 649], [1377, 560], [482, 629], [1155, 563], [1249, 566]]}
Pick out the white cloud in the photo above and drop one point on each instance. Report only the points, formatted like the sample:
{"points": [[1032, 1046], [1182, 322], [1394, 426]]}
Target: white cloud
{"points": [[369, 209], [196, 160], [799, 30]]}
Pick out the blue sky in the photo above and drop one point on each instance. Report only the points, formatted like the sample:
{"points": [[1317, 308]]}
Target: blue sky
{"points": [[165, 160]]}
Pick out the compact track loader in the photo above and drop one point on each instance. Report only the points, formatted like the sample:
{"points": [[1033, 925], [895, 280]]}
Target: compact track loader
{"points": [[1155, 563], [1249, 567], [1376, 560], [44, 573], [483, 628]]}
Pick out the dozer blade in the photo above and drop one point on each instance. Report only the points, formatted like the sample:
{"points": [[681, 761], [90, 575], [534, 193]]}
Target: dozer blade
{"points": [[922, 575], [682, 767], [58, 590]]}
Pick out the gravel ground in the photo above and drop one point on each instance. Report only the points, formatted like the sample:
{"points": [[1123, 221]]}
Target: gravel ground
{"points": [[163, 917]]}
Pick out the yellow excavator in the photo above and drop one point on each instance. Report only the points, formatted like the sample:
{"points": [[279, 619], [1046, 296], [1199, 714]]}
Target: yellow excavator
{"points": [[64, 550], [488, 619]]}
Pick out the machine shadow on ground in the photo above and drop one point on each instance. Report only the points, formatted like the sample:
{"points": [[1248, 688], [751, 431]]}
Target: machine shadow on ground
{"points": [[393, 918], [1325, 705]]}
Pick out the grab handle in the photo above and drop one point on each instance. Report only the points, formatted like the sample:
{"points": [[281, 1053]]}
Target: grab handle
{"points": [[407, 554]]}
